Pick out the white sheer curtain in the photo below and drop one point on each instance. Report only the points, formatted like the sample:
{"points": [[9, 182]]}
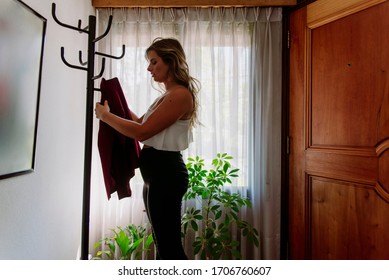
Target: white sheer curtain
{"points": [[236, 55]]}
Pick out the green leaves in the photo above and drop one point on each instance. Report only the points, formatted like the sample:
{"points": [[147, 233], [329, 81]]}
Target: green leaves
{"points": [[190, 218], [219, 211], [213, 220], [125, 244]]}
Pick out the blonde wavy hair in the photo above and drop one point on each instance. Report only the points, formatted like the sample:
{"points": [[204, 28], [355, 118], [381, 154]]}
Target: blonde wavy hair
{"points": [[172, 53]]}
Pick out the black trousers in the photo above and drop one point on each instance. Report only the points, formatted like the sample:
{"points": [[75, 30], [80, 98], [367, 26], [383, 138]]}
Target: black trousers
{"points": [[165, 182]]}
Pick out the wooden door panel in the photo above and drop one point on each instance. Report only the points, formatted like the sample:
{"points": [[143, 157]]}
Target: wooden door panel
{"points": [[339, 131], [347, 221], [348, 83], [351, 166]]}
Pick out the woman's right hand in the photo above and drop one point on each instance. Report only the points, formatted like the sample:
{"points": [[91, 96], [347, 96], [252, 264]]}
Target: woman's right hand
{"points": [[100, 110]]}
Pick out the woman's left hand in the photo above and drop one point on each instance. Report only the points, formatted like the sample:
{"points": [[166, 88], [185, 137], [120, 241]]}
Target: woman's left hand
{"points": [[100, 110]]}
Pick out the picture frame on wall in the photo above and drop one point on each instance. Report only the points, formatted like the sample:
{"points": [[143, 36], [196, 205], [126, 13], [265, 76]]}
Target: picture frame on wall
{"points": [[22, 37]]}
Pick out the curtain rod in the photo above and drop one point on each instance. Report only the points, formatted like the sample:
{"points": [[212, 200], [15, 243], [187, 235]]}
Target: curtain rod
{"points": [[190, 3]]}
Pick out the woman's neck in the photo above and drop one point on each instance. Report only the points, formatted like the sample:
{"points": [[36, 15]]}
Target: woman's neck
{"points": [[169, 85]]}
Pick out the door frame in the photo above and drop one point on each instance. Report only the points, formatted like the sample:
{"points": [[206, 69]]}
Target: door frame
{"points": [[284, 246]]}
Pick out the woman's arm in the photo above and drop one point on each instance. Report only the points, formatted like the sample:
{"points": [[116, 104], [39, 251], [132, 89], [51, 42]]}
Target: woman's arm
{"points": [[135, 118], [174, 105], [126, 127]]}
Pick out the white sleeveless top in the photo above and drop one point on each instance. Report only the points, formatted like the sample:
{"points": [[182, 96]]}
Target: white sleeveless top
{"points": [[176, 137]]}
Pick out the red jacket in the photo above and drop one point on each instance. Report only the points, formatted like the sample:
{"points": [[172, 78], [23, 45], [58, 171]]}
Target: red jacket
{"points": [[118, 153]]}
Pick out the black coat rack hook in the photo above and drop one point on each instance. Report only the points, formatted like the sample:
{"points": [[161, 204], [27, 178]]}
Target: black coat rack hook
{"points": [[79, 26], [80, 58], [112, 56], [79, 29], [101, 71], [106, 31], [68, 64]]}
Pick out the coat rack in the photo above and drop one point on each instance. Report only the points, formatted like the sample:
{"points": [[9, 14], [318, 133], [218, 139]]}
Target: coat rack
{"points": [[88, 66]]}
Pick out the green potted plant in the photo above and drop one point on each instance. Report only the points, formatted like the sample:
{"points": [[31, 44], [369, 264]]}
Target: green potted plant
{"points": [[125, 244], [219, 211]]}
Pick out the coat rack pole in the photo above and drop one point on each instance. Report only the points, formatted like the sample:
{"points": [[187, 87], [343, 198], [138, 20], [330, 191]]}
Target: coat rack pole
{"points": [[88, 139], [90, 89]]}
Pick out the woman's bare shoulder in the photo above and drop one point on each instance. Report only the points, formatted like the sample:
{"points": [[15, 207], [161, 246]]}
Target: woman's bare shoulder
{"points": [[179, 92]]}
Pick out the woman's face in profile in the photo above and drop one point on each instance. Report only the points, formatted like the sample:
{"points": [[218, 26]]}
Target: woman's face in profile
{"points": [[158, 69]]}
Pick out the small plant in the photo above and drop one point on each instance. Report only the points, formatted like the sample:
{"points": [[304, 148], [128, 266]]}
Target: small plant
{"points": [[218, 213], [125, 244]]}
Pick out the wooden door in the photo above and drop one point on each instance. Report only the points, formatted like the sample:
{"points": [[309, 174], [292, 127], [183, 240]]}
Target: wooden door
{"points": [[339, 131]]}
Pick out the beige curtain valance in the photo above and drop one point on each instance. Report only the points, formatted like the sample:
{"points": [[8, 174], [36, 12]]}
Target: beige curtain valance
{"points": [[190, 3]]}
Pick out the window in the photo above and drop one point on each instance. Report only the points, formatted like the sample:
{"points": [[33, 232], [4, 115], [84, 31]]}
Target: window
{"points": [[236, 55]]}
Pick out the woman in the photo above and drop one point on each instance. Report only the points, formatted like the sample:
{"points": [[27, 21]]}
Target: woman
{"points": [[165, 130]]}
